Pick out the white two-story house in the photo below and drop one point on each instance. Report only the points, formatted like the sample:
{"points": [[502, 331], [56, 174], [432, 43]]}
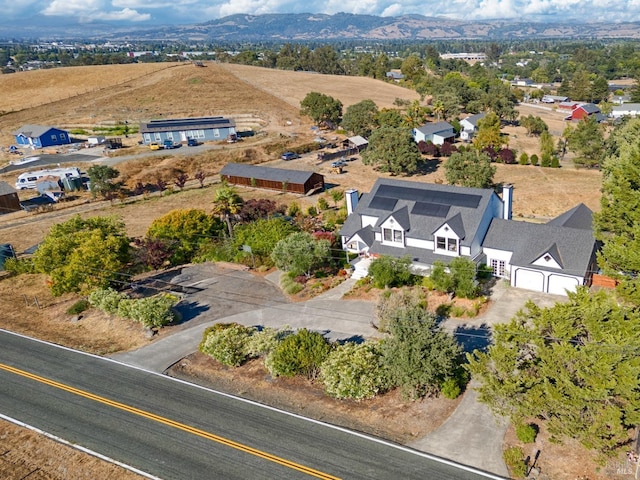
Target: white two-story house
{"points": [[429, 222], [425, 221]]}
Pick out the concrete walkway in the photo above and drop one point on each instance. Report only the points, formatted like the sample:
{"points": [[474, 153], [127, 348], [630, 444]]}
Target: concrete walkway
{"points": [[471, 436]]}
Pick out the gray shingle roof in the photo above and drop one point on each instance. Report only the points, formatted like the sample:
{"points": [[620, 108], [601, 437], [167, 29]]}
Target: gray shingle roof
{"points": [[456, 224], [6, 189], [574, 247], [366, 234], [589, 108], [437, 204], [266, 173], [33, 131], [473, 119], [434, 128], [579, 216]]}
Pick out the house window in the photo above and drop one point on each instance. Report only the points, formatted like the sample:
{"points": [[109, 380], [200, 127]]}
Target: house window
{"points": [[147, 138], [392, 236], [449, 244], [169, 135], [200, 134], [498, 267], [157, 136], [216, 133], [54, 138], [62, 136]]}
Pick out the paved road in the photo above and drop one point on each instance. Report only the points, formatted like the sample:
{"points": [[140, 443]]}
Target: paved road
{"points": [[174, 430], [472, 435]]}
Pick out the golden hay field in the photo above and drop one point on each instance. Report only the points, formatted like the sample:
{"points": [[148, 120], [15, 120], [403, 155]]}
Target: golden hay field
{"points": [[271, 99], [102, 95]]}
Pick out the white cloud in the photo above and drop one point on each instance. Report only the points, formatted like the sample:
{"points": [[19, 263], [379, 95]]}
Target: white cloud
{"points": [[193, 11], [124, 15], [90, 10]]}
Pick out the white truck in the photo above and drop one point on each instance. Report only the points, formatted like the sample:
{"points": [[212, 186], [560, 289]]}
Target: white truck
{"points": [[30, 179]]}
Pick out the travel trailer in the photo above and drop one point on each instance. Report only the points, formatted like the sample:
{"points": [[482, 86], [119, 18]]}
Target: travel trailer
{"points": [[30, 179]]}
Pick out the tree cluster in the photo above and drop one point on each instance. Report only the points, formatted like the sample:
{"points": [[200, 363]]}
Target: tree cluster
{"points": [[575, 365]]}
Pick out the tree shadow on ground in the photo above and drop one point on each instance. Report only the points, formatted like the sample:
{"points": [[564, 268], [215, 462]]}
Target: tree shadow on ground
{"points": [[428, 166], [189, 310], [473, 338]]}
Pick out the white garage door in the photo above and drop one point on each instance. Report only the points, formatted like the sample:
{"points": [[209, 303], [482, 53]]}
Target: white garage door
{"points": [[558, 284], [529, 279]]}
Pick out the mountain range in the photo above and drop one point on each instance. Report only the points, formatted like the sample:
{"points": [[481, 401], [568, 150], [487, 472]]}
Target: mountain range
{"points": [[341, 26]]}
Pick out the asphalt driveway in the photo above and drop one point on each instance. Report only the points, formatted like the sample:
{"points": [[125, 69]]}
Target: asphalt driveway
{"points": [[471, 436]]}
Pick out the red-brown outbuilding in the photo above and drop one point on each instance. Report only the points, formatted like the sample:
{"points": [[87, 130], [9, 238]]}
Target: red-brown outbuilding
{"points": [[282, 179], [9, 201]]}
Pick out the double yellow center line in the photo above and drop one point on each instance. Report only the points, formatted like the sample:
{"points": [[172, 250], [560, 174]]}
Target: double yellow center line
{"points": [[172, 423]]}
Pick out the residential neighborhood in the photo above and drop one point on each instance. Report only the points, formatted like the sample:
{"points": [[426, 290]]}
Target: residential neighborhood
{"points": [[434, 255]]}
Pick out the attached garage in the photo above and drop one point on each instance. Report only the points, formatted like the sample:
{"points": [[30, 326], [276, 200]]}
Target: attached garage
{"points": [[528, 279], [560, 284]]}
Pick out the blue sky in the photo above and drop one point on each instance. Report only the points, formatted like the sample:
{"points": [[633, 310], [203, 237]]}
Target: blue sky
{"points": [[144, 13]]}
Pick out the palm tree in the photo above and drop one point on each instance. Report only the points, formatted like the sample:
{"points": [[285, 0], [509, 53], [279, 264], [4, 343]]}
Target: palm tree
{"points": [[415, 114], [226, 204], [438, 108]]}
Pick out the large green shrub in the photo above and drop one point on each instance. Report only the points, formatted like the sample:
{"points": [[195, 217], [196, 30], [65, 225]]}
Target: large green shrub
{"points": [[262, 236], [187, 230], [264, 341], [353, 371], [526, 432], [106, 299], [514, 458], [299, 354], [419, 355], [387, 271], [19, 266], [440, 278], [392, 303], [227, 344], [80, 255], [156, 311]]}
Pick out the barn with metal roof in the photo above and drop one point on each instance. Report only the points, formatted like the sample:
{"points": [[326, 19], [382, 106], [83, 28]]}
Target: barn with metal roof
{"points": [[295, 181]]}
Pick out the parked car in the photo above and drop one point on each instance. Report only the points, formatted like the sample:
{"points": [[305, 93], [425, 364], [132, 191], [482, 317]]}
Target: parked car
{"points": [[155, 146], [289, 156], [168, 144], [338, 163], [192, 142]]}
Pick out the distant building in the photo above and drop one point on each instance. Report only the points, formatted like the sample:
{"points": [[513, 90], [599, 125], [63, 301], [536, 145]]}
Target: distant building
{"points": [[182, 129], [467, 57], [40, 136], [436, 133], [9, 201], [625, 110], [395, 75]]}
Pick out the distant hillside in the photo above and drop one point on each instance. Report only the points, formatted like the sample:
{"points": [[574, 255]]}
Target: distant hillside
{"points": [[321, 27], [344, 26]]}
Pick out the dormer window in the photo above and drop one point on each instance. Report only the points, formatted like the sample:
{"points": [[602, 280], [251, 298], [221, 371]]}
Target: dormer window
{"points": [[390, 235], [547, 258], [447, 244]]}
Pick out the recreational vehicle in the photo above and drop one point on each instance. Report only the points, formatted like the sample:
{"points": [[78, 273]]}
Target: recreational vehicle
{"points": [[30, 179]]}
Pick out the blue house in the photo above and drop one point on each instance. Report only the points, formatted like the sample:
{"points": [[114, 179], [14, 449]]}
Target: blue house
{"points": [[179, 130], [40, 136]]}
